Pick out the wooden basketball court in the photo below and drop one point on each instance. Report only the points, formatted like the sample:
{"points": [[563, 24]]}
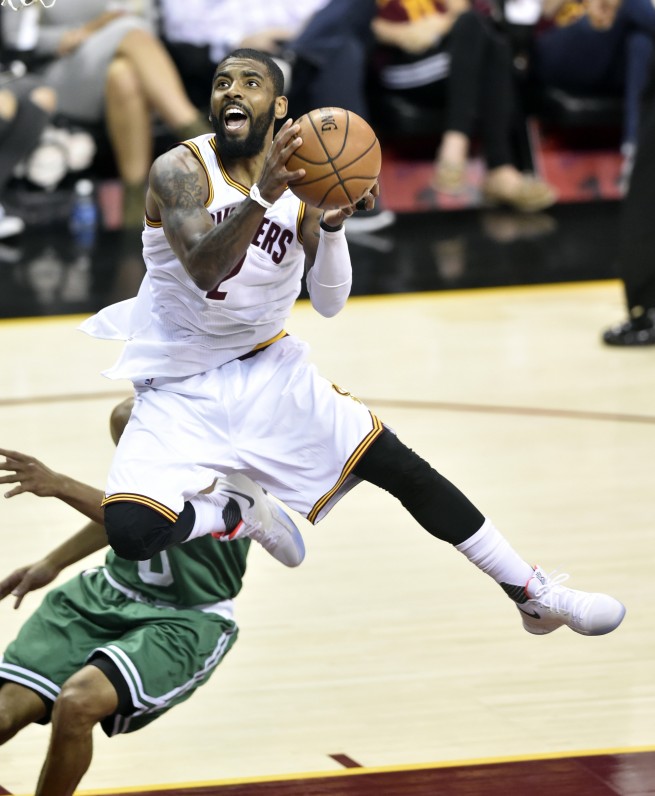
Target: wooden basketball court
{"points": [[386, 663]]}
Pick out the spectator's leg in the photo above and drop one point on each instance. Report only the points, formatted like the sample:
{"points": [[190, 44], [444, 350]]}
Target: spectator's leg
{"points": [[196, 70], [466, 45], [343, 84], [129, 129], [497, 102], [639, 56], [637, 234], [161, 83], [21, 124]]}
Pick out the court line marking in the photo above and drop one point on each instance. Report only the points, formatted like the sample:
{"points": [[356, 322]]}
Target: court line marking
{"points": [[354, 772], [393, 403], [411, 296]]}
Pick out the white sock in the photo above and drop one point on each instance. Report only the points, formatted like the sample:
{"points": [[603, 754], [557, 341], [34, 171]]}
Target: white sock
{"points": [[492, 553], [209, 515]]}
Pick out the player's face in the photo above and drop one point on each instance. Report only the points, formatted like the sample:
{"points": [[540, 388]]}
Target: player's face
{"points": [[242, 108]]}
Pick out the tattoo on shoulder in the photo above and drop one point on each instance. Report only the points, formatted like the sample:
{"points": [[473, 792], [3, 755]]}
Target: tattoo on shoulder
{"points": [[179, 188]]}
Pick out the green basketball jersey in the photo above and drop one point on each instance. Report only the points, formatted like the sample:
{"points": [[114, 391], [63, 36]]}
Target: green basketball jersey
{"points": [[203, 571]]}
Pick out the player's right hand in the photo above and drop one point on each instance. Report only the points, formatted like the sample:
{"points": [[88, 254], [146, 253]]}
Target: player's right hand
{"points": [[275, 176], [30, 474], [27, 579]]}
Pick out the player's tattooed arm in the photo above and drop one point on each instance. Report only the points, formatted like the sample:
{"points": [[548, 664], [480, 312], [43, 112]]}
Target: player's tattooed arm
{"points": [[209, 252]]}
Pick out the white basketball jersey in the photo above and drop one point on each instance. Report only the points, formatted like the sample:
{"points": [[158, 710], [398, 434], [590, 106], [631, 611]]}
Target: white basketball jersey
{"points": [[175, 329]]}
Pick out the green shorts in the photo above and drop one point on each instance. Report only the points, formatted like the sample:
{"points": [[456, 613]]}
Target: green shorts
{"points": [[163, 653]]}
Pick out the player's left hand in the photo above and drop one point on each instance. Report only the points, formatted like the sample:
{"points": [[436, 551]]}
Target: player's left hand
{"points": [[26, 579], [335, 218], [30, 474]]}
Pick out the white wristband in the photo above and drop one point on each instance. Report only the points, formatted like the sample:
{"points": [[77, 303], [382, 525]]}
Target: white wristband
{"points": [[257, 197]]}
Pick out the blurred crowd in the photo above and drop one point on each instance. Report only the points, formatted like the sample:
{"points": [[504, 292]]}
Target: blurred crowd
{"points": [[86, 77]]}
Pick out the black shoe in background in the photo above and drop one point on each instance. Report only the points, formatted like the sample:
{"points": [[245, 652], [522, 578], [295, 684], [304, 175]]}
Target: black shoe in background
{"points": [[636, 331]]}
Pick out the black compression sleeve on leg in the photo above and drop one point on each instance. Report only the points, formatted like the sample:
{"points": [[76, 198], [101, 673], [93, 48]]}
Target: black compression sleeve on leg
{"points": [[137, 532], [20, 137], [430, 498]]}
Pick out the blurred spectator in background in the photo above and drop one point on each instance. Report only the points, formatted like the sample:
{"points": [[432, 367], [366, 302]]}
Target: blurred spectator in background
{"points": [[637, 237], [105, 64], [452, 56], [330, 60], [25, 109], [598, 47], [199, 33]]}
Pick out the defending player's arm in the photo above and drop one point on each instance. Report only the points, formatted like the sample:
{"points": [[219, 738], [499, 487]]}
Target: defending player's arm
{"points": [[328, 271], [178, 186], [89, 539], [33, 476]]}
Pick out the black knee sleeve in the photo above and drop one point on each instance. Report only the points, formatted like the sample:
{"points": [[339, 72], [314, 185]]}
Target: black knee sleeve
{"points": [[429, 497], [137, 532]]}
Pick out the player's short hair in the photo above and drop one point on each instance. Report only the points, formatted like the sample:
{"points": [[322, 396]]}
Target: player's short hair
{"points": [[274, 71]]}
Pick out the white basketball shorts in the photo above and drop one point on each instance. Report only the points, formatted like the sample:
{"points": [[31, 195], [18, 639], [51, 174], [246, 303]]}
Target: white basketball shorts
{"points": [[270, 416]]}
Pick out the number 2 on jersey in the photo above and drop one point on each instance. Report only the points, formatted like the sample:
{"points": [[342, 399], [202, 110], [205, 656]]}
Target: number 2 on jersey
{"points": [[219, 295]]}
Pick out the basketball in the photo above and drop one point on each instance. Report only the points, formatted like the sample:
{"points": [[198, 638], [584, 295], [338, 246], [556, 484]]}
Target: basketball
{"points": [[341, 157]]}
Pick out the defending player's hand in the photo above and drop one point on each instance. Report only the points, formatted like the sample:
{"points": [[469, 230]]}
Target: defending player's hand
{"points": [[30, 474], [27, 579], [335, 218], [275, 176]]}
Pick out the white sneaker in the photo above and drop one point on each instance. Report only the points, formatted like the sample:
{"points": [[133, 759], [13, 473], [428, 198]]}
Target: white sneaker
{"points": [[259, 518], [550, 605], [10, 225], [365, 221]]}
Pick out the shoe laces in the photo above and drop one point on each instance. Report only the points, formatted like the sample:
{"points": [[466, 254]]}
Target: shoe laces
{"points": [[560, 599]]}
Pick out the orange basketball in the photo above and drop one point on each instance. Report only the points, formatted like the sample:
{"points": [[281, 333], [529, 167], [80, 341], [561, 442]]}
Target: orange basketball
{"points": [[341, 157]]}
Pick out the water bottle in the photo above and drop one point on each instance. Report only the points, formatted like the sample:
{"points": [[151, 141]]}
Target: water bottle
{"points": [[84, 215]]}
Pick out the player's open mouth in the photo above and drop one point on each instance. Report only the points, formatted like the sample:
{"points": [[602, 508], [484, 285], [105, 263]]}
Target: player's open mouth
{"points": [[234, 118]]}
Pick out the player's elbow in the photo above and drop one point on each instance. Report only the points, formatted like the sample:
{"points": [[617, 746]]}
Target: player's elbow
{"points": [[328, 309], [327, 300]]}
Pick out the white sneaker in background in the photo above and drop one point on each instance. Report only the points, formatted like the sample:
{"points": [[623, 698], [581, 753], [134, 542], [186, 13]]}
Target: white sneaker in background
{"points": [[367, 221], [10, 225]]}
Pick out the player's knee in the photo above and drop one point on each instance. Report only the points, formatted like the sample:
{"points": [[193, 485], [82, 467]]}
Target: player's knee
{"points": [[391, 465], [8, 726], [19, 706], [122, 80], [79, 705], [134, 531]]}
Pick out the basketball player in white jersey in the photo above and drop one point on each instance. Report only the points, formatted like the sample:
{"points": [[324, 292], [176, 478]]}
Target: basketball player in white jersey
{"points": [[225, 397]]}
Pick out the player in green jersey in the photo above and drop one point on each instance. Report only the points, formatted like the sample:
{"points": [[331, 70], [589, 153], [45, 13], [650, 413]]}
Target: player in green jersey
{"points": [[107, 665]]}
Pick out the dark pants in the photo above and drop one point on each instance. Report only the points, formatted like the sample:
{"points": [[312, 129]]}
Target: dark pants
{"points": [[637, 231], [478, 90], [330, 58], [583, 60]]}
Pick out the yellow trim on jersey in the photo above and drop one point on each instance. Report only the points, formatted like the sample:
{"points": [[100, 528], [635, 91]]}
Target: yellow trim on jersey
{"points": [[350, 465], [266, 343], [127, 497], [196, 151], [299, 220], [226, 176], [150, 222]]}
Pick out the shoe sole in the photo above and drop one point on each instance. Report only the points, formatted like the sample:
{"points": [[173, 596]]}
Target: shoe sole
{"points": [[541, 630], [298, 542]]}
